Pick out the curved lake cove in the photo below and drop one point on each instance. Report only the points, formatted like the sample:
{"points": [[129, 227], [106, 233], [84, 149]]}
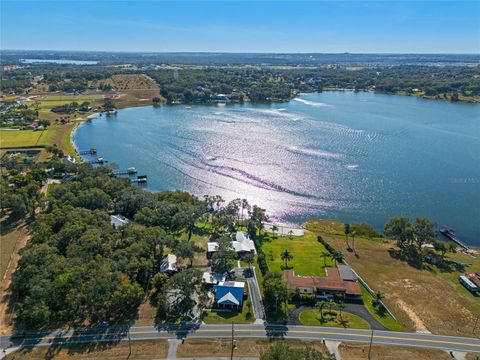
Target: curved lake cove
{"points": [[358, 157]]}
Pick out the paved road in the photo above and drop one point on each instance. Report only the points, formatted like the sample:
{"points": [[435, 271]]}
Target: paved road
{"points": [[248, 275], [256, 297], [243, 331]]}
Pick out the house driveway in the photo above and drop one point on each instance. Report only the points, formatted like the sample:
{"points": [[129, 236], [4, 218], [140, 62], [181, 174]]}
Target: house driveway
{"points": [[356, 309]]}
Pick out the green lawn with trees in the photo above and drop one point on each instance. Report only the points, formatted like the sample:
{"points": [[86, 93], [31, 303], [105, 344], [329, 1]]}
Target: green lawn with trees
{"points": [[332, 318], [305, 255]]}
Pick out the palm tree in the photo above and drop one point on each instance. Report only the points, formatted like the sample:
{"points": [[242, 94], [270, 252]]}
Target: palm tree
{"points": [[324, 255], [346, 229], [274, 230], [245, 205], [377, 298], [353, 241], [340, 300], [337, 257], [249, 258], [320, 305], [286, 256], [290, 235]]}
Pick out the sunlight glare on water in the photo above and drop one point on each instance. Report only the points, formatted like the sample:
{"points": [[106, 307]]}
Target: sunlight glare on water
{"points": [[360, 157]]}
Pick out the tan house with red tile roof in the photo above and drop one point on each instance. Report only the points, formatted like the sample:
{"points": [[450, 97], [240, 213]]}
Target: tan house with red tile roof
{"points": [[337, 281]]}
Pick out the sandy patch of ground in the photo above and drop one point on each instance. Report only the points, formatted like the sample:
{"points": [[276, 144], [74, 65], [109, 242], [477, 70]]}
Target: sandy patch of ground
{"points": [[418, 323]]}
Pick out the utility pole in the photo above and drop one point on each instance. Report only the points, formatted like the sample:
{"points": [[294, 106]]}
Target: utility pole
{"points": [[129, 344], [370, 347], [233, 342], [475, 326]]}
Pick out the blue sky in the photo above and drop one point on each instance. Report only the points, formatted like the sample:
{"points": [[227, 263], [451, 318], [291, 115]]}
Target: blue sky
{"points": [[230, 26]]}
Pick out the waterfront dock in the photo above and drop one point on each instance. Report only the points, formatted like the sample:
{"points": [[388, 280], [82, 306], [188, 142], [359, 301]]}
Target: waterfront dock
{"points": [[91, 151], [450, 234], [141, 179]]}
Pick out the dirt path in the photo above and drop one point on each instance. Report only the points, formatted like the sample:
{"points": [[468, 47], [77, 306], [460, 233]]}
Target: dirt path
{"points": [[417, 322]]}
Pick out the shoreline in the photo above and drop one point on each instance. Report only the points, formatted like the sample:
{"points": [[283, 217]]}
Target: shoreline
{"points": [[281, 221]]}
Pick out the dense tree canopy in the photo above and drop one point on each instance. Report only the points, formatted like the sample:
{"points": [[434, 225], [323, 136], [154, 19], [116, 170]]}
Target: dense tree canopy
{"points": [[77, 268]]}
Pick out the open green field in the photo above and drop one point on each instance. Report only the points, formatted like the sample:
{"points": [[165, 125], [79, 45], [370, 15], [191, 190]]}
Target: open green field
{"points": [[332, 318], [21, 138], [306, 251], [54, 134]]}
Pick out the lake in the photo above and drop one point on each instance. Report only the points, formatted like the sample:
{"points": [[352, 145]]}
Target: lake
{"points": [[58, 61], [358, 157]]}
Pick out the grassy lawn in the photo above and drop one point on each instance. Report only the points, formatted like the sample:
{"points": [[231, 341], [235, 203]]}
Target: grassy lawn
{"points": [[421, 299], [306, 251], [20, 138], [382, 316], [227, 317], [332, 318], [141, 350], [54, 134]]}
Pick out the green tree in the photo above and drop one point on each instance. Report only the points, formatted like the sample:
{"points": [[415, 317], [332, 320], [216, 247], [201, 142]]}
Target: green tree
{"points": [[320, 305], [125, 299], [275, 291], [353, 233], [337, 257], [346, 230], [186, 250], [451, 247], [290, 235], [109, 105], [399, 229], [286, 256], [257, 218], [325, 255], [222, 259], [249, 259], [181, 289], [441, 247], [423, 231], [158, 281], [274, 231], [377, 298]]}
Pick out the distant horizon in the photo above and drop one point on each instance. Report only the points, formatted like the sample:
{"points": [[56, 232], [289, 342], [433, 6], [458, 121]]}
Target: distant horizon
{"points": [[246, 52], [304, 27]]}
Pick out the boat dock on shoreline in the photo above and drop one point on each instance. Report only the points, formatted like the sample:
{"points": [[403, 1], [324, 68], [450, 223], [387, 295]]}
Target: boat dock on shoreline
{"points": [[450, 234]]}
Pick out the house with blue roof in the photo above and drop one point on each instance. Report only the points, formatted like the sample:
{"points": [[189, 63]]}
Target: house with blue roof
{"points": [[229, 294]]}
